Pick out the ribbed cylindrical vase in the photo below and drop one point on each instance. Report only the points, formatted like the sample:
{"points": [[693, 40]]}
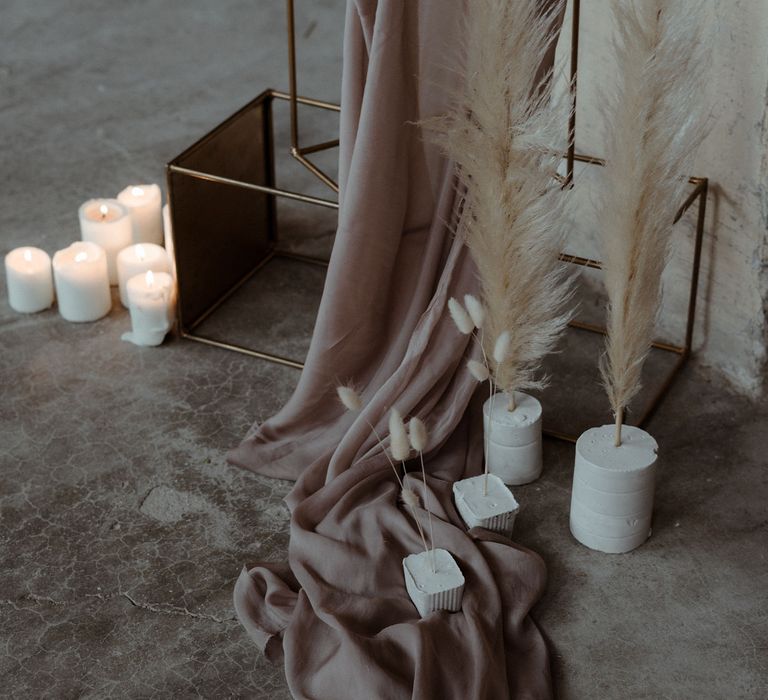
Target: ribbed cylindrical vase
{"points": [[612, 498], [513, 438]]}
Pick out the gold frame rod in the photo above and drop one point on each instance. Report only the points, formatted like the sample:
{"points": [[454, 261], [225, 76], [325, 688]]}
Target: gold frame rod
{"points": [[578, 260], [309, 101], [306, 150], [309, 165], [298, 196], [296, 149], [278, 359], [571, 156]]}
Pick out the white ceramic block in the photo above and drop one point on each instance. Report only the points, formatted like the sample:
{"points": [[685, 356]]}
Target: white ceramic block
{"points": [[494, 509], [513, 438], [441, 589], [612, 498]]}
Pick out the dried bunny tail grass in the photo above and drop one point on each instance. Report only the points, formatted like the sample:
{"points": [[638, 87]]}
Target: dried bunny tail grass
{"points": [[478, 370], [417, 432], [504, 132], [350, 398], [460, 316], [501, 348], [475, 310], [398, 437], [656, 124], [409, 497], [352, 402], [419, 437]]}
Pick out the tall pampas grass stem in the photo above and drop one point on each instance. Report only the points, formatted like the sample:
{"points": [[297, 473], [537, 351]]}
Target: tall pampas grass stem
{"points": [[502, 132], [656, 124]]}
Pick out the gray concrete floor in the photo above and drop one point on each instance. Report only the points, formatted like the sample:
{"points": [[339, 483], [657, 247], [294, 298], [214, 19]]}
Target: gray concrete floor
{"points": [[122, 529]]}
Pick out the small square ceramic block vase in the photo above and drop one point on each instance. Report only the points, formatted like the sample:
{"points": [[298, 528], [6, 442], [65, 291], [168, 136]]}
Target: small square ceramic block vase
{"points": [[612, 497], [493, 508], [441, 589], [513, 438]]}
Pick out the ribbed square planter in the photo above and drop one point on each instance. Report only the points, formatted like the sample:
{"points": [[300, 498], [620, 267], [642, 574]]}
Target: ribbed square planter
{"points": [[441, 589], [493, 508]]}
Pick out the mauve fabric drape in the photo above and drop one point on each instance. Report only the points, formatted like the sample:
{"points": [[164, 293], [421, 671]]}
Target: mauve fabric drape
{"points": [[337, 612]]}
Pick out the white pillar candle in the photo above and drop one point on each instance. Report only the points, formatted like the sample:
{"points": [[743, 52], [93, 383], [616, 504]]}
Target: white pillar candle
{"points": [[612, 498], [107, 223], [137, 259], [29, 280], [150, 299], [144, 203], [82, 282], [513, 438], [168, 238]]}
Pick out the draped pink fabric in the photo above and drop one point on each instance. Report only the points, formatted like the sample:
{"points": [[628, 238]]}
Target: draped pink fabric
{"points": [[337, 612]]}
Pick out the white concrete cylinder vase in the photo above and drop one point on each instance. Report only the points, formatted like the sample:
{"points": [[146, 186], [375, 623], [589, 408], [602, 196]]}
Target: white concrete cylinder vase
{"points": [[513, 438], [441, 589], [612, 497], [485, 501]]}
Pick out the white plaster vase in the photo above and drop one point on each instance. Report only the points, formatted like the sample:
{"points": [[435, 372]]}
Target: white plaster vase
{"points": [[491, 506], [441, 589], [613, 487], [513, 438]]}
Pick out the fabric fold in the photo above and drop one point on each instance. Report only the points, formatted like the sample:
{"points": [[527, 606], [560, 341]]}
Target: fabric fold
{"points": [[338, 613]]}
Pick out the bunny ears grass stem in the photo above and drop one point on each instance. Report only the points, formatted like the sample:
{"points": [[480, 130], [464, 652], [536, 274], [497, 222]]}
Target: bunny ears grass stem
{"points": [[470, 320], [400, 449]]}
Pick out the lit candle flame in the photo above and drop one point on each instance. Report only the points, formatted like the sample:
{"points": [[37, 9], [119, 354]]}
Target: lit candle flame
{"points": [[81, 257], [149, 278], [103, 210], [27, 255], [140, 252], [137, 191]]}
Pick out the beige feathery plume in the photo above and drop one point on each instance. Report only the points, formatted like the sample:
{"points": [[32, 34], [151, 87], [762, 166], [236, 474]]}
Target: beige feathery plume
{"points": [[350, 398], [478, 370], [398, 437], [655, 125], [460, 316], [475, 310], [504, 134]]}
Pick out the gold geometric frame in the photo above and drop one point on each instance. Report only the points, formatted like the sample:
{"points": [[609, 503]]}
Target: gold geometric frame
{"points": [[182, 178], [698, 195]]}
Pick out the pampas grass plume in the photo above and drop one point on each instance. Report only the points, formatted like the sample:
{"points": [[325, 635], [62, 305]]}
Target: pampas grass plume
{"points": [[656, 124], [417, 432], [475, 310], [399, 445], [501, 348], [504, 132], [460, 316], [350, 398], [478, 370]]}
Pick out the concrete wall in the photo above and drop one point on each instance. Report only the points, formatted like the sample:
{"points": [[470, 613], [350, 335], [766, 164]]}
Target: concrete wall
{"points": [[733, 293]]}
